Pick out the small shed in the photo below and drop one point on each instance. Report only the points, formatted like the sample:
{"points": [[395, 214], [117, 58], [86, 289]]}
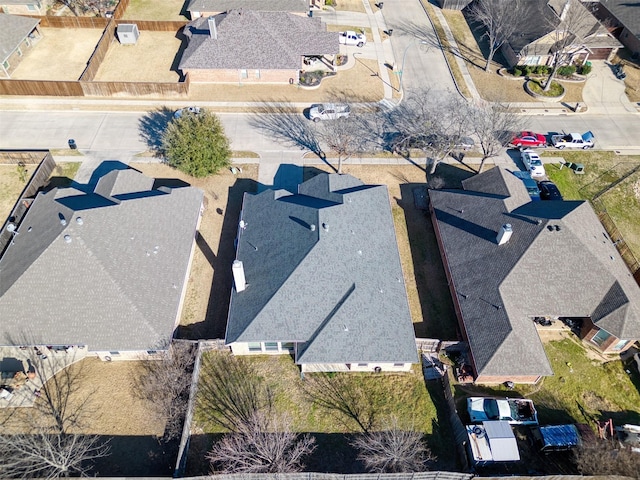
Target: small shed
{"points": [[493, 441], [128, 33]]}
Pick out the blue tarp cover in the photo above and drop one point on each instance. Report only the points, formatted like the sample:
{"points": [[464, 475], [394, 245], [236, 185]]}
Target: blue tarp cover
{"points": [[560, 436]]}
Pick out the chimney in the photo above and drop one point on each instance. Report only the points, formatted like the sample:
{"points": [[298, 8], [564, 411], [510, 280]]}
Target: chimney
{"points": [[213, 32], [504, 234], [238, 275]]}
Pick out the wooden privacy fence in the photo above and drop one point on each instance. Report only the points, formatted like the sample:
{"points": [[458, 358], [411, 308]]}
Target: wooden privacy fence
{"points": [[41, 87], [99, 52], [10, 157], [157, 25], [70, 22]]}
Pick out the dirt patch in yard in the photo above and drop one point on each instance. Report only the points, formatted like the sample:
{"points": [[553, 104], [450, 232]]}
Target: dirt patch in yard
{"points": [[61, 54], [10, 188], [204, 314], [152, 59], [156, 10]]}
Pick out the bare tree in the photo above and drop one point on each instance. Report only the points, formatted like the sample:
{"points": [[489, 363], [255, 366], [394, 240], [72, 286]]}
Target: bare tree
{"points": [[494, 125], [607, 458], [165, 384], [97, 7], [569, 36], [49, 455], [501, 19], [230, 392], [338, 393], [393, 450], [346, 137], [264, 444]]}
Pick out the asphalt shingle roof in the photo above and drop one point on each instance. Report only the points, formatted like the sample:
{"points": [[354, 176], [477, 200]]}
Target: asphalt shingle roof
{"points": [[259, 5], [626, 12], [111, 277], [13, 30], [558, 262], [248, 39], [337, 286]]}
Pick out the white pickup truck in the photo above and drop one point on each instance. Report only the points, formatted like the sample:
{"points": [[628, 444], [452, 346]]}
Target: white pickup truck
{"points": [[573, 140], [352, 38], [516, 411], [329, 111]]}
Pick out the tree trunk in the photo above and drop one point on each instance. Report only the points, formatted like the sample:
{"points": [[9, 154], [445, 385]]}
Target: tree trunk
{"points": [[492, 51], [434, 164], [484, 159], [552, 75], [339, 172]]}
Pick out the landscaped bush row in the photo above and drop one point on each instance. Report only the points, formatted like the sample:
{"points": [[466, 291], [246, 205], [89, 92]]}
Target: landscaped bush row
{"points": [[565, 71]]}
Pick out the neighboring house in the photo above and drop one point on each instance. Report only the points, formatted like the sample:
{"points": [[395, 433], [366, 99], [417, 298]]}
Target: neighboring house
{"points": [[245, 46], [623, 17], [104, 270], [17, 34], [453, 4], [206, 8], [536, 42], [28, 7], [318, 276], [509, 260]]}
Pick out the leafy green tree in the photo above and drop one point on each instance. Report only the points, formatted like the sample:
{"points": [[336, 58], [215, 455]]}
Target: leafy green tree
{"points": [[196, 144]]}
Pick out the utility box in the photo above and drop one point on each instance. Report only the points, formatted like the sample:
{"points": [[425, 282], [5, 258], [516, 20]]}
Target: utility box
{"points": [[128, 33]]}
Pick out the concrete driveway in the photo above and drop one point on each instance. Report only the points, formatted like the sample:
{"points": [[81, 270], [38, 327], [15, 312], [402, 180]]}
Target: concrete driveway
{"points": [[603, 93]]}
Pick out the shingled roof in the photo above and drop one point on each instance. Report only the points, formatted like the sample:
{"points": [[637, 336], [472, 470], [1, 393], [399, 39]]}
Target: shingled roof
{"points": [[246, 39], [298, 6], [625, 12], [104, 269], [322, 269], [558, 262], [13, 30]]}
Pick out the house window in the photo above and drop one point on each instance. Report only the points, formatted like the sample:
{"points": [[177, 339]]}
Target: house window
{"points": [[258, 74], [600, 337], [532, 60], [271, 346], [31, 8], [243, 74], [620, 345], [287, 345], [255, 347], [363, 364], [152, 352], [399, 365], [114, 354], [5, 64]]}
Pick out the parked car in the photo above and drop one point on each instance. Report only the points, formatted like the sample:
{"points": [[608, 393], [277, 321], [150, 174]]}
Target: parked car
{"points": [[329, 111], [530, 184], [352, 38], [186, 110], [532, 163], [529, 139], [573, 140], [549, 190], [516, 411]]}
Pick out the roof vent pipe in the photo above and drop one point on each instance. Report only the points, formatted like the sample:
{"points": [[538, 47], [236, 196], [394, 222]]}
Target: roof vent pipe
{"points": [[213, 32], [238, 275], [325, 227], [504, 234], [312, 227]]}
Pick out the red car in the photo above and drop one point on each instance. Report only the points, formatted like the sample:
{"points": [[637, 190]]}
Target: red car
{"points": [[529, 139]]}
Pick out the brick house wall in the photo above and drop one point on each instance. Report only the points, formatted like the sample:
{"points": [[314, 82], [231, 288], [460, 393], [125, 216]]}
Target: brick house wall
{"points": [[242, 76], [12, 62], [589, 330]]}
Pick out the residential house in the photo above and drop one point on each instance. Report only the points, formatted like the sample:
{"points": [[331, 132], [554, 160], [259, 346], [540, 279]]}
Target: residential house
{"points": [[623, 18], [17, 35], [318, 276], [246, 46], [25, 7], [103, 269], [537, 41], [206, 8], [453, 4], [509, 260]]}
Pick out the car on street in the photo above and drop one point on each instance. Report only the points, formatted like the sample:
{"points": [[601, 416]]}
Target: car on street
{"points": [[352, 38], [532, 163], [187, 111], [574, 140], [549, 190], [329, 111], [529, 139]]}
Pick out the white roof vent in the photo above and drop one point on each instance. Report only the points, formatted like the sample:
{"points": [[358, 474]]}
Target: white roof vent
{"points": [[504, 234], [79, 220], [67, 239], [238, 275], [312, 227], [63, 221], [325, 227]]}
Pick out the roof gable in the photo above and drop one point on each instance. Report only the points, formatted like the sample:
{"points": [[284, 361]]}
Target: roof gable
{"points": [[13, 30]]}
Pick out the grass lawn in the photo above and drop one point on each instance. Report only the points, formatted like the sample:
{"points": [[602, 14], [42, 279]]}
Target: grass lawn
{"points": [[351, 5], [402, 395], [622, 202], [584, 388], [632, 69], [156, 10], [10, 187]]}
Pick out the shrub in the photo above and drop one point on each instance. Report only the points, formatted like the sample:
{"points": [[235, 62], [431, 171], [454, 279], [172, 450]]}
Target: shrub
{"points": [[585, 69], [567, 70], [542, 70], [330, 3], [517, 72], [527, 69]]}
